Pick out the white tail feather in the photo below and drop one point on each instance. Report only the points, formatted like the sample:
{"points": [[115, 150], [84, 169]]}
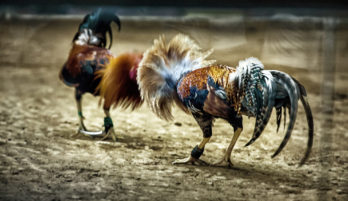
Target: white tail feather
{"points": [[162, 66]]}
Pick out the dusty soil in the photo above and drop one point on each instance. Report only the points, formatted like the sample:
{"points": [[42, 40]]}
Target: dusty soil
{"points": [[42, 159]]}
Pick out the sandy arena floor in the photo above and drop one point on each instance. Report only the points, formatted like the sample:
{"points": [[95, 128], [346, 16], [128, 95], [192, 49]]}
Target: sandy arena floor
{"points": [[42, 159]]}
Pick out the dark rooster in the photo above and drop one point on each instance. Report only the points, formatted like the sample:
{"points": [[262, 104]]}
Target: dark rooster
{"points": [[92, 68], [179, 72]]}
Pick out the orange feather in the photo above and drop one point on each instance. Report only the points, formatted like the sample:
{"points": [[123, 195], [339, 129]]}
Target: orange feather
{"points": [[118, 86]]}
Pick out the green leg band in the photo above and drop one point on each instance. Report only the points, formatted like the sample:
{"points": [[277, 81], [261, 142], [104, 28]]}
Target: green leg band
{"points": [[80, 114], [108, 123]]}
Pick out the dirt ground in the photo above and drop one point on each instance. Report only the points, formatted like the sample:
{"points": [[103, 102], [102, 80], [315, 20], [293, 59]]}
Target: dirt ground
{"points": [[42, 159]]}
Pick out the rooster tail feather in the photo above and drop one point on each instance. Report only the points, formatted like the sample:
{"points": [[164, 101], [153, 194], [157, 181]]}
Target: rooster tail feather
{"points": [[310, 128], [99, 23], [257, 92], [264, 112], [279, 117], [118, 85], [310, 123], [285, 116], [163, 65], [294, 93]]}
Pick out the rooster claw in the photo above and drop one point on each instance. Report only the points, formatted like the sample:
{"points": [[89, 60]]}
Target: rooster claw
{"points": [[190, 160], [111, 132], [225, 162]]}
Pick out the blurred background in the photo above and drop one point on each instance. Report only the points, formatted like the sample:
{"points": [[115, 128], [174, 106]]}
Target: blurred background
{"points": [[287, 34], [307, 39]]}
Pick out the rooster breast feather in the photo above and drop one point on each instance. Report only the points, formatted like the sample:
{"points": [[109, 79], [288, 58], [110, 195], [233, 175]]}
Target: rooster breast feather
{"points": [[83, 61]]}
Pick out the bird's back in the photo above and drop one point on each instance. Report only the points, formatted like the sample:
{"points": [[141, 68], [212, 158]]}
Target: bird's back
{"points": [[207, 89]]}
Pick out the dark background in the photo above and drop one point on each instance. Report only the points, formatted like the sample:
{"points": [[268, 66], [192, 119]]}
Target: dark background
{"points": [[317, 7], [190, 3]]}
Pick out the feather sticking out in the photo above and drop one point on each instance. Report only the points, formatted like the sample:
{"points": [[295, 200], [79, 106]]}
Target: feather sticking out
{"points": [[162, 66], [118, 86]]}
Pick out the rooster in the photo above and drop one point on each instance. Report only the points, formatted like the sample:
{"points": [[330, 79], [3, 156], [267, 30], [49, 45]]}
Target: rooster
{"points": [[178, 72], [92, 68]]}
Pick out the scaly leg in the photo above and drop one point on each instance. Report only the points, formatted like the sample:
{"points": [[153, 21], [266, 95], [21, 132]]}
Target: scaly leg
{"points": [[195, 154], [226, 160], [205, 122], [82, 128], [237, 123], [78, 98], [109, 126]]}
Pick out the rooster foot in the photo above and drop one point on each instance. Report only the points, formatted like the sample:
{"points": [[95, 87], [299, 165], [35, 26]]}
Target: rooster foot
{"points": [[225, 162], [190, 160], [109, 132], [84, 131]]}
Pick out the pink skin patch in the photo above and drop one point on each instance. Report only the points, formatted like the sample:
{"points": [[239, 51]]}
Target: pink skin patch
{"points": [[134, 70], [133, 73]]}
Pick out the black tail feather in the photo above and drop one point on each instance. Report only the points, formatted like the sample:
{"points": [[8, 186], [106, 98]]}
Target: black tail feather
{"points": [[279, 117], [310, 122], [310, 128], [99, 22], [293, 93], [284, 108], [261, 96]]}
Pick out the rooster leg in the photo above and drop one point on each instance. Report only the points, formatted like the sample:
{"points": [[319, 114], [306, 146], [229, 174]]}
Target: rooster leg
{"points": [[78, 98], [195, 154], [109, 126], [205, 122], [226, 160], [237, 123], [82, 128]]}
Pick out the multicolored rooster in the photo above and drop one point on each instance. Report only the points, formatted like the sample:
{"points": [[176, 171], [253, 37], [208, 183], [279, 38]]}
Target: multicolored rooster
{"points": [[179, 72], [92, 68]]}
